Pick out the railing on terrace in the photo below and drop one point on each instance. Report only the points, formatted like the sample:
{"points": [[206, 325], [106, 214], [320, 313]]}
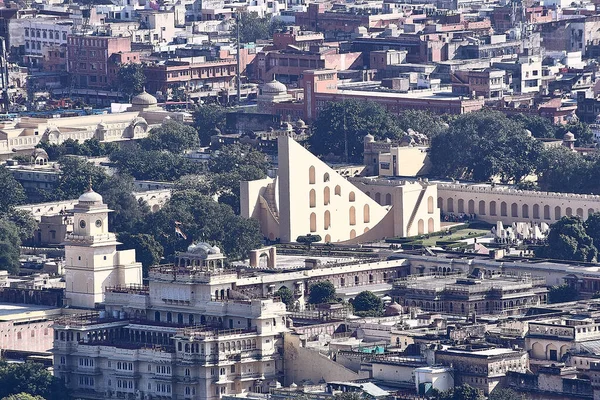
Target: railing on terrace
{"points": [[128, 289], [128, 345], [174, 269], [206, 331]]}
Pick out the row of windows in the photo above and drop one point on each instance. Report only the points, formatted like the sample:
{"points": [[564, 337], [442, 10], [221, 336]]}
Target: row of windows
{"points": [[86, 362], [44, 34], [123, 366], [86, 381]]}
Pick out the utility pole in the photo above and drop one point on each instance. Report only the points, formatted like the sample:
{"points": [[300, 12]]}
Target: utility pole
{"points": [[238, 75]]}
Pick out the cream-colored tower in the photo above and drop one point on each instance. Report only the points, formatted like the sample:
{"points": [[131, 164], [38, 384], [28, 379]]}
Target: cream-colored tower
{"points": [[92, 261]]}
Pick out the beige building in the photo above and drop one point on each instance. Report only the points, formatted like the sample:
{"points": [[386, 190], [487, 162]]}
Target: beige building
{"points": [[309, 197], [493, 203], [92, 261]]}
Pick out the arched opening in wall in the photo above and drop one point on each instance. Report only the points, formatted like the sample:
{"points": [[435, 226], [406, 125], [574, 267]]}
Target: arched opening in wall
{"points": [[493, 208], [351, 197], [370, 278], [312, 198], [157, 316], [328, 238], [471, 207], [368, 194], [338, 190], [352, 215], [313, 222], [366, 230], [326, 177], [155, 208], [551, 352], [514, 210], [352, 234], [311, 175], [503, 209], [421, 227], [263, 261], [460, 206], [580, 213], [546, 212], [441, 204], [430, 225], [481, 207], [557, 212], [525, 211], [590, 211], [538, 351], [356, 280], [388, 199], [536, 211], [430, 205], [450, 205], [326, 196], [327, 220], [378, 197], [569, 212], [366, 214]]}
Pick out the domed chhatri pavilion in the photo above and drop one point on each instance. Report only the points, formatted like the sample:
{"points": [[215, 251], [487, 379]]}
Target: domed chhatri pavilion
{"points": [[270, 93], [143, 102], [92, 261]]}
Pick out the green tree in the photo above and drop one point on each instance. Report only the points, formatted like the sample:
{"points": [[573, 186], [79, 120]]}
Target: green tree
{"points": [[76, 175], [23, 396], [309, 239], [90, 148], [25, 223], [421, 121], [172, 136], [206, 119], [153, 165], [287, 297], [254, 28], [131, 79], [368, 303], [581, 130], [13, 193], [148, 250], [562, 170], [128, 213], [539, 127], [350, 121], [203, 219], [568, 240], [592, 227], [32, 378], [505, 394], [9, 245], [562, 294], [482, 145], [321, 292], [462, 392]]}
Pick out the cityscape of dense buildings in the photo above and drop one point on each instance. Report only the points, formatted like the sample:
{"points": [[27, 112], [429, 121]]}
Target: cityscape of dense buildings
{"points": [[379, 199]]}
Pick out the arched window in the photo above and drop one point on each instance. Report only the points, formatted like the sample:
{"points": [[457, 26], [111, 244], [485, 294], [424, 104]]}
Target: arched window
{"points": [[378, 197], [547, 212], [536, 211], [514, 210], [590, 211], [326, 177], [313, 222], [481, 207], [157, 315], [421, 227], [351, 197], [557, 212], [326, 196], [525, 211], [493, 208], [352, 234], [313, 198], [356, 280], [580, 213], [503, 209], [471, 207], [367, 213], [430, 225], [311, 175], [461, 206], [338, 190], [388, 199], [352, 216], [569, 212], [450, 205], [430, 205], [327, 238], [327, 220]]}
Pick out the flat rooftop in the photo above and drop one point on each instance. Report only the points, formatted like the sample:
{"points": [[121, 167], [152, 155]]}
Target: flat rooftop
{"points": [[444, 94], [11, 312]]}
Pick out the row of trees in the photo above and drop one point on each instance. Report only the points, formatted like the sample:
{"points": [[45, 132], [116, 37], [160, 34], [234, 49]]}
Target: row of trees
{"points": [[30, 381], [477, 146], [366, 303], [571, 238]]}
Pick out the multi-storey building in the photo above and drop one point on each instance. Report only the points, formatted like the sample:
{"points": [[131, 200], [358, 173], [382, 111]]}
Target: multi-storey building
{"points": [[91, 59], [185, 336]]}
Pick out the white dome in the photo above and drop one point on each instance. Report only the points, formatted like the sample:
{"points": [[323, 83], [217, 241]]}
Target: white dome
{"points": [[569, 137], [274, 87], [144, 99], [90, 197]]}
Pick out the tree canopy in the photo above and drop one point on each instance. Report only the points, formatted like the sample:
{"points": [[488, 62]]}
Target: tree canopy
{"points": [[568, 240], [131, 78], [253, 27], [9, 245], [562, 294], [505, 394], [482, 145], [350, 121], [367, 303], [23, 396], [89, 148], [287, 297], [462, 392], [421, 121], [30, 378], [172, 136], [208, 117], [321, 292], [12, 191], [148, 250]]}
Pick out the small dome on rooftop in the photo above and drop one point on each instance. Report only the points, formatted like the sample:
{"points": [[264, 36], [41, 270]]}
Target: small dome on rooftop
{"points": [[144, 99], [90, 197], [274, 87], [569, 137], [393, 309]]}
